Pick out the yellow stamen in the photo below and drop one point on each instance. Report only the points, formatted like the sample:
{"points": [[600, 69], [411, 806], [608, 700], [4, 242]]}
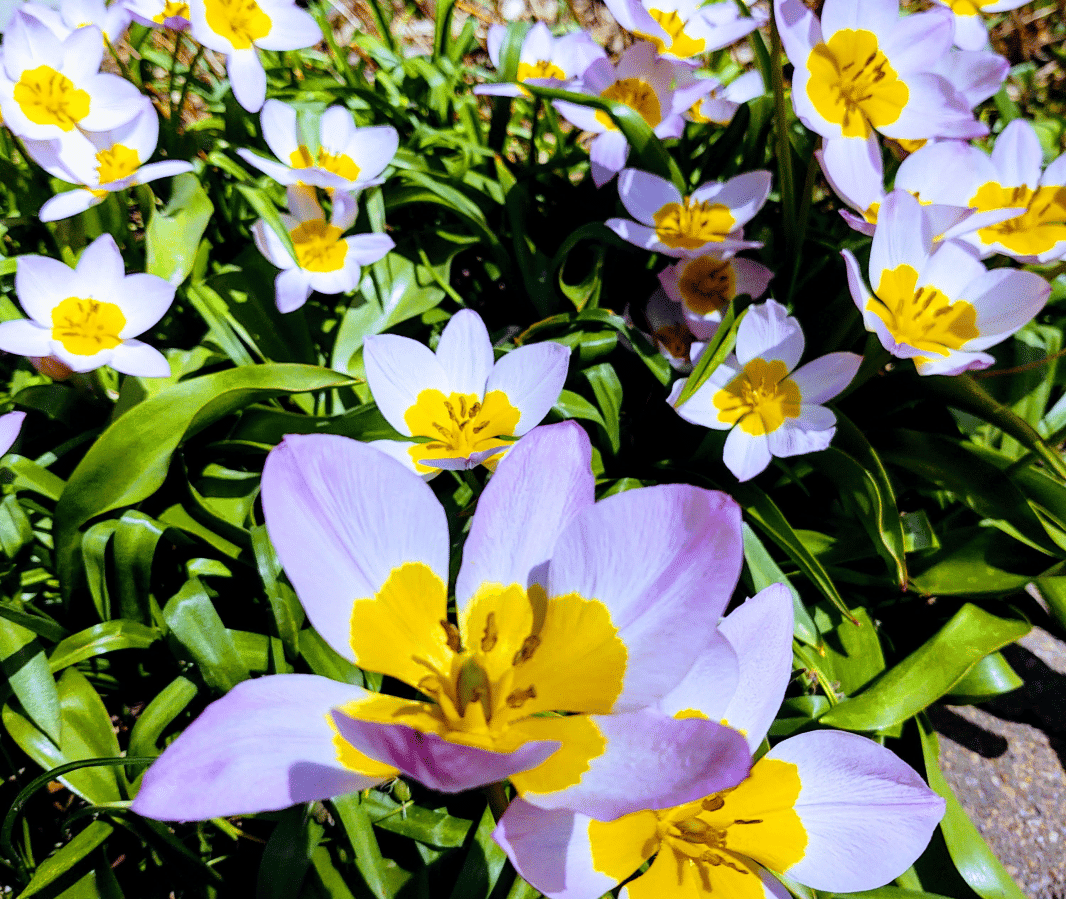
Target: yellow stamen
{"points": [[459, 424], [542, 68], [689, 225], [637, 94], [172, 10]]}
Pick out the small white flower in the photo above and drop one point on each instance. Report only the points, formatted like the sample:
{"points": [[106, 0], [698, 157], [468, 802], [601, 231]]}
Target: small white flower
{"points": [[325, 261], [160, 13], [89, 315], [683, 29], [768, 408], [543, 59]]}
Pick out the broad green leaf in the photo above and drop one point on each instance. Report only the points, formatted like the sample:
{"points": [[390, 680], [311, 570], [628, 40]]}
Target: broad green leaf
{"points": [[195, 624], [764, 572], [851, 646], [100, 639], [324, 660], [41, 625], [606, 386], [54, 869], [1053, 589], [173, 234], [86, 734], [974, 860], [25, 667], [574, 405], [288, 613], [260, 654], [31, 476], [330, 881], [170, 702], [434, 828], [931, 671], [483, 863], [15, 530], [992, 676], [268, 212], [145, 439], [714, 354], [368, 859], [134, 545], [970, 563], [287, 855]]}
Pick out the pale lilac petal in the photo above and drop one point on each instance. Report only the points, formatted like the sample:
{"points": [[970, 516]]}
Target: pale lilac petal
{"points": [[291, 28], [699, 408], [867, 814], [247, 78], [114, 102], [950, 269], [543, 482], [854, 170], [643, 194], [532, 377], [550, 849], [769, 332], [132, 357], [146, 299], [265, 745], [435, 762], [41, 284], [709, 684], [292, 287], [342, 516], [341, 280], [607, 156], [903, 236], [10, 425], [368, 248], [465, 353], [744, 195], [68, 203], [26, 338], [1005, 300], [934, 109], [800, 31], [398, 450], [760, 631], [977, 74], [164, 169], [917, 40], [812, 432], [654, 556], [652, 761], [860, 293], [955, 363], [746, 455], [970, 32], [823, 378], [879, 16], [398, 369], [372, 149], [1017, 155]]}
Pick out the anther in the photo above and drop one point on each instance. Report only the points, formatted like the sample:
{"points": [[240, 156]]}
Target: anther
{"points": [[748, 821], [712, 803], [517, 698], [529, 646], [488, 641], [455, 642]]}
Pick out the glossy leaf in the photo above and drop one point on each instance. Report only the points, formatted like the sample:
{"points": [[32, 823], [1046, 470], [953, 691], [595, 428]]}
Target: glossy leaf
{"points": [[25, 668], [100, 639], [195, 624], [173, 235]]}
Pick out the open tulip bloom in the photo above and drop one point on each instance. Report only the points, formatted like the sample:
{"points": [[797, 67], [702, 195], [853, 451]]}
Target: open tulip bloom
{"points": [[467, 407], [769, 409], [325, 260], [835, 811], [1011, 179], [102, 162], [705, 286], [89, 315], [709, 220], [336, 156], [240, 28], [543, 60], [682, 29], [862, 68], [160, 13], [561, 605], [937, 305], [646, 83], [51, 86]]}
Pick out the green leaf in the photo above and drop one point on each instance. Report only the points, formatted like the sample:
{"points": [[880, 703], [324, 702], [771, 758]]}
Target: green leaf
{"points": [[992, 676], [970, 563], [971, 855], [288, 613], [193, 621], [764, 572], [574, 405], [713, 355], [86, 734], [54, 869], [608, 391], [31, 476], [170, 702], [931, 671], [15, 530], [26, 669], [434, 828], [146, 437], [483, 863], [173, 234], [268, 212], [287, 855], [851, 647], [368, 859], [100, 639], [324, 660]]}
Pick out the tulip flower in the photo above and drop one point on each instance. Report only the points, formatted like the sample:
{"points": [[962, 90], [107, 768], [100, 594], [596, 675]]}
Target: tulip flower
{"points": [[469, 408], [160, 13], [325, 260], [683, 29], [862, 68], [709, 220], [937, 305], [102, 162], [335, 156], [705, 286], [562, 605], [644, 82], [89, 315], [240, 28], [50, 86], [834, 811], [970, 30], [543, 60], [721, 103], [768, 408], [678, 343]]}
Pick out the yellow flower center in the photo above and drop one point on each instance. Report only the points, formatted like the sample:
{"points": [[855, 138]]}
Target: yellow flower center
{"points": [[241, 22], [968, 7], [852, 84], [172, 10], [1035, 231], [460, 424], [319, 247], [707, 847], [514, 655], [542, 68], [85, 326], [681, 45], [637, 94], [925, 319], [115, 163], [707, 285], [690, 225], [760, 398], [337, 163], [48, 97]]}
